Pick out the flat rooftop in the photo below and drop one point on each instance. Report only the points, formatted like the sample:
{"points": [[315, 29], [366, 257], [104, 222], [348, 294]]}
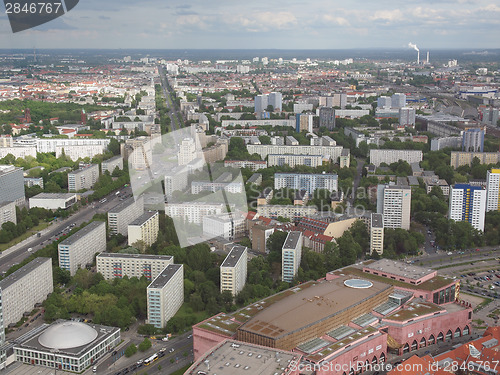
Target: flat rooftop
{"points": [[322, 300], [235, 357], [436, 282], [136, 256], [54, 196], [84, 169], [165, 276], [114, 158], [400, 269], [82, 233], [103, 332], [234, 256], [415, 309], [23, 271], [122, 205], [144, 217], [292, 239], [377, 221]]}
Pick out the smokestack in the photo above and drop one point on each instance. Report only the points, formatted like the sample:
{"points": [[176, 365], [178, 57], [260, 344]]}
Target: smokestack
{"points": [[418, 58], [427, 57], [414, 46]]}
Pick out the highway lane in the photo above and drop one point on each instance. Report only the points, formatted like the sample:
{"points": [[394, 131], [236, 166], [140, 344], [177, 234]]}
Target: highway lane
{"points": [[18, 253]]}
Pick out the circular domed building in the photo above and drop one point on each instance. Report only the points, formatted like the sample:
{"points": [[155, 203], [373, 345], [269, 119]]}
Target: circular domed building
{"points": [[67, 345]]}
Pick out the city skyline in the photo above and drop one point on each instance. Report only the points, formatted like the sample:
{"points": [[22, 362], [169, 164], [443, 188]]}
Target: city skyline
{"points": [[290, 25]]}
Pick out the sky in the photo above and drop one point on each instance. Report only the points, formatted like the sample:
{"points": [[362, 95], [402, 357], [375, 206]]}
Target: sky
{"points": [[265, 24]]}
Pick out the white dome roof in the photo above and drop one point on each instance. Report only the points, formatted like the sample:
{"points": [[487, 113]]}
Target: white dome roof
{"points": [[67, 335]]}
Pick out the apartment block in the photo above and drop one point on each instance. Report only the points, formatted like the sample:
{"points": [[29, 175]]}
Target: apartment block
{"points": [[231, 187], [473, 140], [332, 152], [115, 265], [11, 185], [165, 295], [468, 203], [110, 164], [254, 165], [8, 212], [79, 249], [193, 212], [145, 228], [84, 178], [378, 157], [286, 211], [233, 270], [394, 202], [176, 180], [459, 158], [306, 181], [120, 216], [377, 234], [227, 226], [291, 255], [295, 160], [21, 290], [493, 190], [80, 152], [327, 117]]}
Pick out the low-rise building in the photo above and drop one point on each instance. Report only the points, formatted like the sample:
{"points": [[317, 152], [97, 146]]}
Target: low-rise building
{"points": [[79, 249], [22, 289], [145, 228], [165, 295], [66, 345], [53, 201], [117, 265], [31, 181], [233, 270]]}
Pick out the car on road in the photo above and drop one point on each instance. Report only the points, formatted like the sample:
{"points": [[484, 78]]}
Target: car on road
{"points": [[94, 369], [171, 350]]}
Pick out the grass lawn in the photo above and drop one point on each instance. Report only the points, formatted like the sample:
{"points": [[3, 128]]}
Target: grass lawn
{"points": [[21, 238], [180, 371]]}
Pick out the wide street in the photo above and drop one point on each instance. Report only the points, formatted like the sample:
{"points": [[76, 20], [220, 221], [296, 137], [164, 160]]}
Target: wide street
{"points": [[17, 253]]}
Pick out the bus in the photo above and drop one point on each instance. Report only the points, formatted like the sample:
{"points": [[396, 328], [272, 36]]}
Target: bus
{"points": [[151, 359]]}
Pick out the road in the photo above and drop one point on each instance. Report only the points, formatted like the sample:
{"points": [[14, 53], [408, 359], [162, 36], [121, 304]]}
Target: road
{"points": [[181, 355], [174, 118], [17, 253]]}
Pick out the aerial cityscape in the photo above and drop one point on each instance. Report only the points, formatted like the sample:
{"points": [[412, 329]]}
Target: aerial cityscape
{"points": [[313, 189]]}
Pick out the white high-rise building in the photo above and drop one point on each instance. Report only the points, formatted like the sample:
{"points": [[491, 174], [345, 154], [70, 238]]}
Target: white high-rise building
{"points": [[21, 290], [120, 216], [165, 295], [291, 256], [377, 234], [398, 100], [116, 265], [468, 203], [493, 190], [306, 181], [233, 271], [276, 100], [187, 151], [261, 102], [394, 203], [384, 102], [145, 228], [378, 157], [79, 249], [407, 117]]}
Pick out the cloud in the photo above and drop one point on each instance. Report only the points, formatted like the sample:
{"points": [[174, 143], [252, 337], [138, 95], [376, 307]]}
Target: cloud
{"points": [[263, 21]]}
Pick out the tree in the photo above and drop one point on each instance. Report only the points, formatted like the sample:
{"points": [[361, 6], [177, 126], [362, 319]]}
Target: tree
{"points": [[130, 351], [114, 146], [145, 345]]}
